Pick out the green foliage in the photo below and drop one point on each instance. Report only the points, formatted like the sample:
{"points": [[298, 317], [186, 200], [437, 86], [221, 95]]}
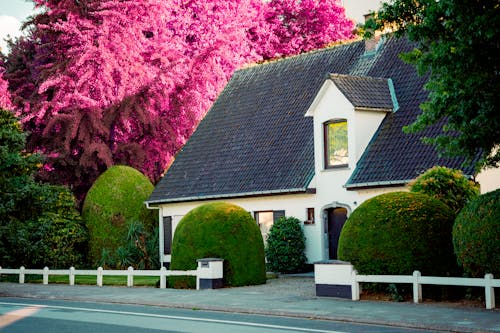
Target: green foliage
{"points": [[141, 250], [476, 235], [286, 246], [448, 185], [39, 224], [219, 230], [113, 203], [397, 233], [16, 169], [458, 46]]}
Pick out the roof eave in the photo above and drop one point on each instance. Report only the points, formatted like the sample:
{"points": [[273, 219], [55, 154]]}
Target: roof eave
{"points": [[386, 183], [153, 203], [367, 108]]}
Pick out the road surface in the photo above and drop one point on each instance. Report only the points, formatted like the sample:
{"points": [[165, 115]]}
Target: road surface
{"points": [[38, 316]]}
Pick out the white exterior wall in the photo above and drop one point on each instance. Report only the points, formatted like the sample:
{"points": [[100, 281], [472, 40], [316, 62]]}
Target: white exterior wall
{"points": [[331, 104], [489, 180]]}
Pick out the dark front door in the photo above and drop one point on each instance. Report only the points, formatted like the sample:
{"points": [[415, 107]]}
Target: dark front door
{"points": [[336, 220]]}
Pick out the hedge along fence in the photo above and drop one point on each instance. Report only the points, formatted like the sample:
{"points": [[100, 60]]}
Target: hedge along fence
{"points": [[203, 272]]}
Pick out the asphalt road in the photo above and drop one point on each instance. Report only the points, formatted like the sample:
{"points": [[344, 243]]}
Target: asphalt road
{"points": [[22, 315]]}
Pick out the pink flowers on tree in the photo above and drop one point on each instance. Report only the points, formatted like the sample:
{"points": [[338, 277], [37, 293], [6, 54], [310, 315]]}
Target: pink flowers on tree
{"points": [[5, 102], [127, 81]]}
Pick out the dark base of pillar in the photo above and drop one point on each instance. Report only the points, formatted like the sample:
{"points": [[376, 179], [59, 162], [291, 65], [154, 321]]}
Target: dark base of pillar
{"points": [[334, 290], [211, 283]]}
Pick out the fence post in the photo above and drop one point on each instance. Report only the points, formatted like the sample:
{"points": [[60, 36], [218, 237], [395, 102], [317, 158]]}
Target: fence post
{"points": [[489, 292], [163, 278], [130, 276], [45, 275], [99, 276], [72, 276], [21, 274], [417, 287], [355, 286]]}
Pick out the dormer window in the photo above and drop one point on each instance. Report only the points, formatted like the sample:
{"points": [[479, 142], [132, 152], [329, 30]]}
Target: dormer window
{"points": [[335, 137]]}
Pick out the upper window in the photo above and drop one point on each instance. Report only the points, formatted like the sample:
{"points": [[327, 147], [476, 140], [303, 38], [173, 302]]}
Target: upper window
{"points": [[336, 151]]}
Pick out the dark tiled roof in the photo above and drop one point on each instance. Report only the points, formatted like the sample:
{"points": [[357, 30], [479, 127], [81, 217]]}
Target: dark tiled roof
{"points": [[364, 91], [255, 139]]}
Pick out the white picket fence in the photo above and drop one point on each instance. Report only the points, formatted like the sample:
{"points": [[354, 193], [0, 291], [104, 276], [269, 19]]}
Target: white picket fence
{"points": [[100, 273], [488, 283]]}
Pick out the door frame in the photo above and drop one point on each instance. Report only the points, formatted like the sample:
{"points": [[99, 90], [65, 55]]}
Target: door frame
{"points": [[324, 226]]}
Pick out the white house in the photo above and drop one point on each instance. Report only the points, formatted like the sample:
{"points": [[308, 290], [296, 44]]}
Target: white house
{"points": [[310, 136]]}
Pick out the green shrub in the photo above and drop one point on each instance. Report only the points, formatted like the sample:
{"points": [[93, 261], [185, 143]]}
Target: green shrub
{"points": [[114, 202], [219, 230], [39, 224], [397, 233], [56, 237], [448, 185], [286, 246], [476, 235]]}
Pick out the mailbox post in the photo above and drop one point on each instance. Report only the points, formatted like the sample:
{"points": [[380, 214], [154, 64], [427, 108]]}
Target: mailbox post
{"points": [[210, 273]]}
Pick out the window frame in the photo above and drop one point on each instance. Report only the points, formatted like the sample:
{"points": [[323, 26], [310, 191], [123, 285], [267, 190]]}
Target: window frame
{"points": [[326, 153], [276, 215], [309, 216]]}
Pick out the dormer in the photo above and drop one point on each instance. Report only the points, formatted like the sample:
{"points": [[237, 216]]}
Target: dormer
{"points": [[347, 112]]}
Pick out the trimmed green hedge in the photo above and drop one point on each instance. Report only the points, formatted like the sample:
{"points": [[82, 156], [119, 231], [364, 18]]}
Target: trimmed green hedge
{"points": [[476, 236], [114, 202], [397, 233], [219, 230], [285, 246], [448, 185]]}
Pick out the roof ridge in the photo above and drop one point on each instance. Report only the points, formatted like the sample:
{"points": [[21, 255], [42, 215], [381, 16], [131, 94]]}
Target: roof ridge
{"points": [[360, 76], [345, 43]]}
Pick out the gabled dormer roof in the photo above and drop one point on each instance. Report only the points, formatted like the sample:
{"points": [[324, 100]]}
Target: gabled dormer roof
{"points": [[255, 139], [364, 92]]}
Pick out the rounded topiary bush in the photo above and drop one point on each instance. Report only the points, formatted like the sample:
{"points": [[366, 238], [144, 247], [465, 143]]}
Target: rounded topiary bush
{"points": [[398, 233], [285, 246], [114, 201], [448, 185], [219, 230], [476, 235]]}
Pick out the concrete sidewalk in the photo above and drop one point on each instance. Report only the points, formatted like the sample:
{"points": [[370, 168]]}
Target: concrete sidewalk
{"points": [[285, 296]]}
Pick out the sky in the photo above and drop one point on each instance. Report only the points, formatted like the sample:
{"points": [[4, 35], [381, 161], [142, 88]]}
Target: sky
{"points": [[14, 12]]}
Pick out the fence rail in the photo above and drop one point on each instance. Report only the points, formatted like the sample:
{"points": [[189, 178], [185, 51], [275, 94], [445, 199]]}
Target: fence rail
{"points": [[100, 273], [488, 283]]}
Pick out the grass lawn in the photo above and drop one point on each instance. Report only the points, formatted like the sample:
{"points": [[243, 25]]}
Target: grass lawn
{"points": [[148, 281]]}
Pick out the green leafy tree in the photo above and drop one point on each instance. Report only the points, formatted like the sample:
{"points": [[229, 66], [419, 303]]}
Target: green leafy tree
{"points": [[285, 246], [448, 185], [458, 47], [39, 224]]}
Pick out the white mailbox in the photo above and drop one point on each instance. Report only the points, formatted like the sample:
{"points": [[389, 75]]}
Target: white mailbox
{"points": [[210, 273]]}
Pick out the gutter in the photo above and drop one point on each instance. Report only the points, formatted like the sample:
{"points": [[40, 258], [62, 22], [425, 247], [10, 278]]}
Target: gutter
{"points": [[377, 184], [367, 108], [151, 207], [229, 195]]}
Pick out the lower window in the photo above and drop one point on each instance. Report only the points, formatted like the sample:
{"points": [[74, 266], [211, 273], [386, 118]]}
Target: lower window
{"points": [[266, 219]]}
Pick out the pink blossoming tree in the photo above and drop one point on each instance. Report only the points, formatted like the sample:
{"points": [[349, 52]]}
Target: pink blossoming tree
{"points": [[5, 102], [104, 82]]}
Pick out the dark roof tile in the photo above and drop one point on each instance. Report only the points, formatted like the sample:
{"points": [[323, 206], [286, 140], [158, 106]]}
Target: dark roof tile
{"points": [[365, 92], [256, 140]]}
